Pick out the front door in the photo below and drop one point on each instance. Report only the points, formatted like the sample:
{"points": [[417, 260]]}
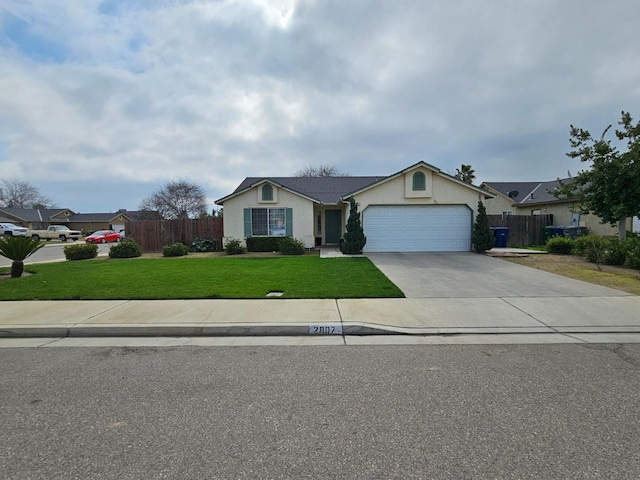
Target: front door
{"points": [[333, 226]]}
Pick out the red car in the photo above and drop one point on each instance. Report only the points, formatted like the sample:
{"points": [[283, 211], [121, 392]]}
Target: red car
{"points": [[103, 236]]}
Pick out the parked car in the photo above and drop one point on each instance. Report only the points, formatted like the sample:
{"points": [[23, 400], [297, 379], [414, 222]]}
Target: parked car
{"points": [[55, 232], [103, 236], [11, 230]]}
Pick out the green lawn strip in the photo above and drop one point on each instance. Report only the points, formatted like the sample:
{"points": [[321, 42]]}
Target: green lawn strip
{"points": [[176, 278]]}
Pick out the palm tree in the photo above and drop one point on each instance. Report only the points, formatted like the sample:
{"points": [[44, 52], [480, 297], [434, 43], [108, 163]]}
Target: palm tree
{"points": [[17, 249], [465, 173]]}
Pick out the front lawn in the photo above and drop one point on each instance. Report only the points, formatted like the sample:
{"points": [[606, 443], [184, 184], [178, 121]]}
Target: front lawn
{"points": [[185, 277]]}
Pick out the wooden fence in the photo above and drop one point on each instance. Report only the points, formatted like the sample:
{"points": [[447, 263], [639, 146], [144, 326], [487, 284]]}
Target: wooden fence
{"points": [[524, 230], [152, 235]]}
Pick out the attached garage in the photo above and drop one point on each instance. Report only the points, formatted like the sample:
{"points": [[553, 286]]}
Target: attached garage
{"points": [[417, 228]]}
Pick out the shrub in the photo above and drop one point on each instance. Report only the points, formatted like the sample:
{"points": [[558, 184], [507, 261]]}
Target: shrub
{"points": [[262, 244], [633, 252], [482, 235], [81, 252], [125, 249], [616, 252], [18, 249], [291, 246], [175, 250], [560, 245], [591, 247], [233, 247], [203, 245], [354, 239]]}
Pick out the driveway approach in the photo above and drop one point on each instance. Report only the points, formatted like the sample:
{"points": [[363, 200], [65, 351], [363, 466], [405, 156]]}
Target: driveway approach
{"points": [[469, 275]]}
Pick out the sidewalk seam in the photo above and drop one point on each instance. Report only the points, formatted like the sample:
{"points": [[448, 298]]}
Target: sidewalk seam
{"points": [[344, 337], [540, 321], [96, 314]]}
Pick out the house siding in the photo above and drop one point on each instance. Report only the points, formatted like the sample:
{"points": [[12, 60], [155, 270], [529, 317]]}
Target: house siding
{"points": [[301, 209], [443, 191]]}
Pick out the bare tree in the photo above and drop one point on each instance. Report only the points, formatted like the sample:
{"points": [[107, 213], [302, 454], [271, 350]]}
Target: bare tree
{"points": [[320, 171], [16, 193], [176, 200]]}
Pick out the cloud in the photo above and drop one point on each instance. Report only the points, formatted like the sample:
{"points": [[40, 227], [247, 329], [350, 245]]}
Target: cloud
{"points": [[136, 93]]}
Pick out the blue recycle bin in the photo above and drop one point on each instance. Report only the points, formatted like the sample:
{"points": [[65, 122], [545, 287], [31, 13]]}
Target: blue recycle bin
{"points": [[558, 231], [502, 235]]}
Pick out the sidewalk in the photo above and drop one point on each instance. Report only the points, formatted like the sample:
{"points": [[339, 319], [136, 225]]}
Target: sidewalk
{"points": [[572, 316]]}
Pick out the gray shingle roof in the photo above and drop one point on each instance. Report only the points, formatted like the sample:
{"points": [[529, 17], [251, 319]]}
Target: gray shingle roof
{"points": [[322, 189], [35, 215], [529, 192]]}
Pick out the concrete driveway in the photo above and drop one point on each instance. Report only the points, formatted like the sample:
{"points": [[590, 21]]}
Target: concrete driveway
{"points": [[469, 275]]}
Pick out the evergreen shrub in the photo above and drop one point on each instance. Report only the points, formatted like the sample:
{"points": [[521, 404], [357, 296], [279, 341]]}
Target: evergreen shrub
{"points": [[482, 236], [354, 239], [175, 250], [560, 245], [291, 246], [233, 247], [127, 248], [80, 251], [633, 252], [204, 245], [263, 244]]}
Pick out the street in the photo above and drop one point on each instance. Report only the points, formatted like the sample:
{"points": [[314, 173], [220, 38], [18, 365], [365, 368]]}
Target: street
{"points": [[366, 412]]}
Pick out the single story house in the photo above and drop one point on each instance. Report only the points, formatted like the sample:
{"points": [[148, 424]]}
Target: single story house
{"points": [[536, 198], [37, 218], [417, 209]]}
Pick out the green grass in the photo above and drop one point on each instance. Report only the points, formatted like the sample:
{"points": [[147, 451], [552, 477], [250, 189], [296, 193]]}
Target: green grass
{"points": [[184, 277]]}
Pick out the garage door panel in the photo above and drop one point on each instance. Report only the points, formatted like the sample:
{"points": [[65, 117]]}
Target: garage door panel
{"points": [[424, 228]]}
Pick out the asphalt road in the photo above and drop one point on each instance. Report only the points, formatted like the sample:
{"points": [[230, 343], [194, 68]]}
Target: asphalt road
{"points": [[450, 412], [53, 252]]}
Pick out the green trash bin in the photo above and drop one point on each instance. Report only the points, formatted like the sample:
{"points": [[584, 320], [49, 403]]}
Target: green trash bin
{"points": [[547, 233]]}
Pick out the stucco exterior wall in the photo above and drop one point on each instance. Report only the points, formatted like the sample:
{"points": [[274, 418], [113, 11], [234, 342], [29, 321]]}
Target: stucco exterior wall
{"points": [[234, 212], [443, 191], [499, 204]]}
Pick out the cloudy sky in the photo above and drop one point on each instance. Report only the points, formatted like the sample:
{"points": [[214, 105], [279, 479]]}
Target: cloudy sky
{"points": [[102, 102]]}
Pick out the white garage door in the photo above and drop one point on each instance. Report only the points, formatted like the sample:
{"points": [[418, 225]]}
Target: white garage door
{"points": [[419, 228]]}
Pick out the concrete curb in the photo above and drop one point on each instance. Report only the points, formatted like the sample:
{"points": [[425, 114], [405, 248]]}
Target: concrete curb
{"points": [[283, 330]]}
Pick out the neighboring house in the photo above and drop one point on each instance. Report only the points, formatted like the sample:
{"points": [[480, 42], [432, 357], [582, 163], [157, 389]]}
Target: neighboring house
{"points": [[86, 222], [536, 198], [90, 222], [36, 218], [417, 209]]}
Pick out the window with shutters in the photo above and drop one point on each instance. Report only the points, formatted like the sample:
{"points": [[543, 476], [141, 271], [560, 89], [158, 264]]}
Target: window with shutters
{"points": [[268, 222]]}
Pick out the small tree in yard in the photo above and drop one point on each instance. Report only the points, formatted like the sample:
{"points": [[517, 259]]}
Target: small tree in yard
{"points": [[18, 249], [610, 186], [483, 238], [354, 239]]}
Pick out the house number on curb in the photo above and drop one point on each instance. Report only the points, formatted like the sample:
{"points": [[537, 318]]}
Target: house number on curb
{"points": [[326, 329]]}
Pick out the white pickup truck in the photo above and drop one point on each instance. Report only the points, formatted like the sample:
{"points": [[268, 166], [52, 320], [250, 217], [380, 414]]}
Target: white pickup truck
{"points": [[11, 230], [58, 232]]}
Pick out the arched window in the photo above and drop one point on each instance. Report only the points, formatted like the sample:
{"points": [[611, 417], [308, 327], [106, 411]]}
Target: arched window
{"points": [[419, 181], [267, 193]]}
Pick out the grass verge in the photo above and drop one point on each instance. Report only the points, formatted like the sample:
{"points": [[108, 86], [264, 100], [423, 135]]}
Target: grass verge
{"points": [[619, 278], [182, 278]]}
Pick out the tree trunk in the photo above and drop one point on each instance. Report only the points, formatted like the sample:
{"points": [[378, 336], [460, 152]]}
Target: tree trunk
{"points": [[16, 269], [622, 229]]}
